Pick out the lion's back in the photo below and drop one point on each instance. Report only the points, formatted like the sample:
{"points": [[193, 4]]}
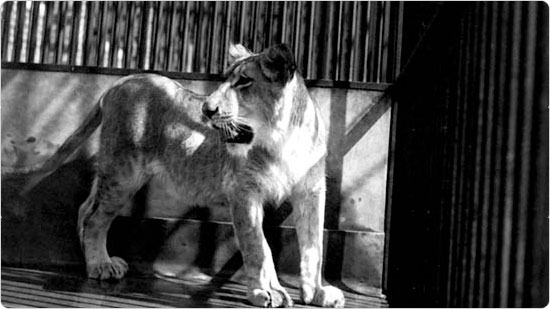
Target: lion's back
{"points": [[147, 112]]}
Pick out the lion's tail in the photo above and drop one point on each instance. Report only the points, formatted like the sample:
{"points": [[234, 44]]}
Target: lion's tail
{"points": [[90, 124]]}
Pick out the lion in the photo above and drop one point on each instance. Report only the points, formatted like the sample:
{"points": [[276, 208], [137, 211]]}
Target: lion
{"points": [[257, 139]]}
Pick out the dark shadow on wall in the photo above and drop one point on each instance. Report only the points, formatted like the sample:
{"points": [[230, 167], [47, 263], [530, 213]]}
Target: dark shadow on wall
{"points": [[334, 170], [40, 228]]}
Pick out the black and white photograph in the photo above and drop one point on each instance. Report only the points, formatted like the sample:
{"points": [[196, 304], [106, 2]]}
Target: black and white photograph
{"points": [[219, 154]]}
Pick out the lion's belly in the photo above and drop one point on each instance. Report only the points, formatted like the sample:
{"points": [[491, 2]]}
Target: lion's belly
{"points": [[191, 168], [192, 185]]}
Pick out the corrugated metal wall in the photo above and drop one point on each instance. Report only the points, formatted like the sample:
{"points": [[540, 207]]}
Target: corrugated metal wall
{"points": [[343, 41], [469, 211]]}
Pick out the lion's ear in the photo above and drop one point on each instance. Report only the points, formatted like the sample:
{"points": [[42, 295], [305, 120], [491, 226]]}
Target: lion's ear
{"points": [[237, 52], [279, 64]]}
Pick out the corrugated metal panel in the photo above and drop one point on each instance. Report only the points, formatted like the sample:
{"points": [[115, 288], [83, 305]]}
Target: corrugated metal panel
{"points": [[345, 41], [470, 193]]}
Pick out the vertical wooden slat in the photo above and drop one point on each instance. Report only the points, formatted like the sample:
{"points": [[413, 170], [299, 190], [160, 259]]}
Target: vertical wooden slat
{"points": [[379, 40], [317, 46], [33, 32], [148, 35], [250, 19], [308, 51], [163, 36], [344, 53], [511, 85], [458, 185], [283, 23], [242, 25], [61, 33], [471, 133], [185, 40], [355, 62], [257, 22], [385, 59], [25, 23], [76, 27], [49, 27], [40, 31], [168, 35], [537, 272], [397, 26], [370, 69], [330, 54], [482, 164], [142, 36], [118, 27], [297, 32], [214, 41], [479, 66], [488, 196], [173, 34], [227, 33], [261, 26], [18, 43], [67, 33], [110, 40], [86, 52], [220, 30], [500, 81], [205, 33], [366, 45], [374, 41], [197, 38], [524, 205], [101, 33], [268, 24], [6, 22], [155, 35], [130, 24]]}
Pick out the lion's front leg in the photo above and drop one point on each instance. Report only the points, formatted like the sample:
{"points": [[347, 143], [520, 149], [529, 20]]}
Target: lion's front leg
{"points": [[264, 289], [309, 205]]}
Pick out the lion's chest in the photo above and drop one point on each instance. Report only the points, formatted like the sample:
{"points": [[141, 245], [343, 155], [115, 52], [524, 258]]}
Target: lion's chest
{"points": [[260, 175]]}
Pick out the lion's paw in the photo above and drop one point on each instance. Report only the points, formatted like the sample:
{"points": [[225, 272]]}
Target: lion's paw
{"points": [[273, 299], [116, 268], [327, 296]]}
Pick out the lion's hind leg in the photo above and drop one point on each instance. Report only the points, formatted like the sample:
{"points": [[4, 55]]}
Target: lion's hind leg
{"points": [[309, 205], [109, 194]]}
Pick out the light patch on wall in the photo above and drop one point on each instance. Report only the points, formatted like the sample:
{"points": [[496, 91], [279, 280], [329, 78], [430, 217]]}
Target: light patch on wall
{"points": [[62, 103]]}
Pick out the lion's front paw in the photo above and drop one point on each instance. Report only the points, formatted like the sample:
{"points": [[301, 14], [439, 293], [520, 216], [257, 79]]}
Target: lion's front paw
{"points": [[115, 268], [273, 298], [327, 296]]}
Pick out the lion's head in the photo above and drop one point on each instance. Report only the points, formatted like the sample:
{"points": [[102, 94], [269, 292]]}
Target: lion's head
{"points": [[253, 99]]}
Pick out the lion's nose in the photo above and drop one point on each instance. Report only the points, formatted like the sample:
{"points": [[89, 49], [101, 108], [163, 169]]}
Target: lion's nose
{"points": [[209, 111]]}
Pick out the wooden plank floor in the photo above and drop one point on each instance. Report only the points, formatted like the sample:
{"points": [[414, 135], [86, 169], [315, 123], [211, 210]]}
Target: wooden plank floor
{"points": [[46, 289]]}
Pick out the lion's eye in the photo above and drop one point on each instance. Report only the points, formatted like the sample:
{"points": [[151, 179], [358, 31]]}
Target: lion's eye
{"points": [[242, 82]]}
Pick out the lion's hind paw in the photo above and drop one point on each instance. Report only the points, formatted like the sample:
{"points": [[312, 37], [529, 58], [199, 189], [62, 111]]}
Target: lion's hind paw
{"points": [[115, 269], [274, 298]]}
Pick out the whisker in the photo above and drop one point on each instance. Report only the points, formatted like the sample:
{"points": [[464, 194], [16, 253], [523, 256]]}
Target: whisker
{"points": [[228, 130]]}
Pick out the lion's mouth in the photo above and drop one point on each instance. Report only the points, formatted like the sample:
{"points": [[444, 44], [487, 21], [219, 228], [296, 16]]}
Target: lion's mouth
{"points": [[238, 134]]}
